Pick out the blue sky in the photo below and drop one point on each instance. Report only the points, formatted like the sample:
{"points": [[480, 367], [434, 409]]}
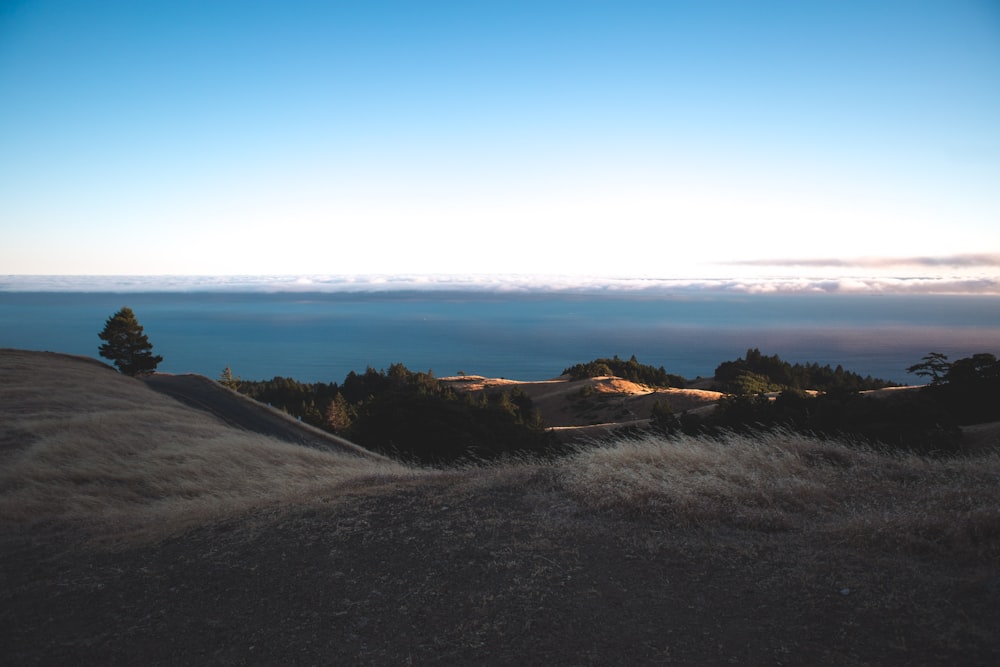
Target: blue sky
{"points": [[643, 139]]}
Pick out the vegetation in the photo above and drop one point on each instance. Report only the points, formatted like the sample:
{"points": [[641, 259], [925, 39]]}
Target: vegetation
{"points": [[85, 458], [779, 480], [227, 379], [126, 344], [308, 401], [108, 486], [758, 373], [81, 455], [906, 420], [630, 370], [102, 445], [927, 420], [968, 389], [411, 415]]}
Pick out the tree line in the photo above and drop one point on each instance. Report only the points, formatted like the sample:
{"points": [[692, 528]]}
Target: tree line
{"points": [[627, 370], [758, 373], [928, 420], [412, 415]]}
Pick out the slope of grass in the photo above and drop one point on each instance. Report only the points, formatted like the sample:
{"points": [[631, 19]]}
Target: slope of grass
{"points": [[81, 444], [786, 481], [751, 549]]}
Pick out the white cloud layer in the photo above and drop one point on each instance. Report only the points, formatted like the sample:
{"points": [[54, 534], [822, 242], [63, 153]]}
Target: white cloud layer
{"points": [[960, 261], [972, 285]]}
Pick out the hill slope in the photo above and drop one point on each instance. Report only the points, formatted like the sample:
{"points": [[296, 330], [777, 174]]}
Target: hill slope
{"points": [[81, 443], [243, 413], [575, 408], [135, 529]]}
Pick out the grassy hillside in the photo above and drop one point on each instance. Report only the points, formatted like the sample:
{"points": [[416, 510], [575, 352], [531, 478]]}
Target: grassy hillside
{"points": [[80, 443], [218, 544], [565, 403], [785, 481]]}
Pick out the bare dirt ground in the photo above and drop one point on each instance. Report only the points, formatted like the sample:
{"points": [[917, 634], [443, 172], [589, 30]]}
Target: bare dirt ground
{"points": [[497, 566]]}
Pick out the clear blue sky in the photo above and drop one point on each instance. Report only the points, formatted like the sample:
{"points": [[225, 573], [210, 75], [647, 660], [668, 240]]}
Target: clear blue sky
{"points": [[603, 138]]}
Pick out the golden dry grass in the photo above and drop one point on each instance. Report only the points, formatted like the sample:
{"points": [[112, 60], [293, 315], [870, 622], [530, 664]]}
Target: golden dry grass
{"points": [[757, 549], [82, 444], [782, 480], [564, 402]]}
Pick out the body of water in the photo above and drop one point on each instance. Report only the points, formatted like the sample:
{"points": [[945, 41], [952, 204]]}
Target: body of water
{"points": [[323, 336]]}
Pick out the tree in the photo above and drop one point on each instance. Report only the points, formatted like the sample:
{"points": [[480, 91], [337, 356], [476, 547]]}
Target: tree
{"points": [[227, 379], [748, 383], [976, 372], [933, 365], [126, 345], [662, 417], [338, 414]]}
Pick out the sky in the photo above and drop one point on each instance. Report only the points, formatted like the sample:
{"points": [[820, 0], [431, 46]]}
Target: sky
{"points": [[647, 140]]}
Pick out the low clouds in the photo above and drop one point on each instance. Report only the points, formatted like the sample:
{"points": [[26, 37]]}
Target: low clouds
{"points": [[963, 261], [499, 284]]}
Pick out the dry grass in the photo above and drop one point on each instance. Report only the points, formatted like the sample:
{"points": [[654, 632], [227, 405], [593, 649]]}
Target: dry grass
{"points": [[564, 402], [784, 481], [82, 444], [750, 550]]}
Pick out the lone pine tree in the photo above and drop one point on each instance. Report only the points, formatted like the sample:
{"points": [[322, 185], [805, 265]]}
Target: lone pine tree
{"points": [[126, 345]]}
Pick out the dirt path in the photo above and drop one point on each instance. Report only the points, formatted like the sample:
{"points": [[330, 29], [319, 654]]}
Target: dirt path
{"points": [[244, 413]]}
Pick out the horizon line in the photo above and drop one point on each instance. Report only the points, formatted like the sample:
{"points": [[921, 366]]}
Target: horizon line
{"points": [[984, 285]]}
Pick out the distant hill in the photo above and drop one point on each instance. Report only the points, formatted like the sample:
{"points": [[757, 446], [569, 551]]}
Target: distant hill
{"points": [[589, 406]]}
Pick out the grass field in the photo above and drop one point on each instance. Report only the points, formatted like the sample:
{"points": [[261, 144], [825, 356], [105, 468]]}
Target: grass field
{"points": [[83, 444], [787, 481], [127, 516]]}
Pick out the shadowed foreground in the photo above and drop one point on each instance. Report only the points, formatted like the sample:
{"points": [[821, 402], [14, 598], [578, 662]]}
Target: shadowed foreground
{"points": [[642, 553]]}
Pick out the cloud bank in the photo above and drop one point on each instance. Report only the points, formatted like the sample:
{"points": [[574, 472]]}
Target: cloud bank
{"points": [[971, 285], [962, 261]]}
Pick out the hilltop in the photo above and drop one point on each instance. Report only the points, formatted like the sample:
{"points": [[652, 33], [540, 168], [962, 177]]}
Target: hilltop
{"points": [[590, 407], [136, 528]]}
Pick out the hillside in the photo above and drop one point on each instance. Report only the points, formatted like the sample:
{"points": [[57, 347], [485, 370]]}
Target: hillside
{"points": [[592, 406], [139, 529]]}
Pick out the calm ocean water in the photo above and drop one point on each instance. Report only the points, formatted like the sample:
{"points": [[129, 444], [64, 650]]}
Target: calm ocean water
{"points": [[323, 336]]}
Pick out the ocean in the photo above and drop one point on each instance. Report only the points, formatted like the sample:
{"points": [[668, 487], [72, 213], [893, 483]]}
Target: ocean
{"points": [[525, 336]]}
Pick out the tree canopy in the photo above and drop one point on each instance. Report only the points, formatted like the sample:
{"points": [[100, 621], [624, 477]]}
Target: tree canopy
{"points": [[630, 370], [412, 415], [126, 345], [968, 387], [759, 373]]}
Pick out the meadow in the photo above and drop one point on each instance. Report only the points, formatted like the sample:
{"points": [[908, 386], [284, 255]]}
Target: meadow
{"points": [[129, 517]]}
